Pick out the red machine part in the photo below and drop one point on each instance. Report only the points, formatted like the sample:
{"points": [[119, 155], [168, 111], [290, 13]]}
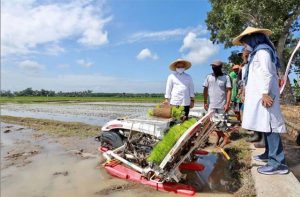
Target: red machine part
{"points": [[200, 152], [102, 149], [118, 170], [191, 166]]}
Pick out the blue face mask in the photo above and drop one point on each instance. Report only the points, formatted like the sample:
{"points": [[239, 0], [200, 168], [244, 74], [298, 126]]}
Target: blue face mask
{"points": [[180, 70]]}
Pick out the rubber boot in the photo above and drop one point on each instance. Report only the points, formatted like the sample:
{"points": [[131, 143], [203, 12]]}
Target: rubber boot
{"points": [[255, 138], [261, 143]]}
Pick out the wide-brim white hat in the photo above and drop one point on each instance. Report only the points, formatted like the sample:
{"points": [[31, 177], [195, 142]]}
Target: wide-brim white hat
{"points": [[186, 63], [249, 31]]}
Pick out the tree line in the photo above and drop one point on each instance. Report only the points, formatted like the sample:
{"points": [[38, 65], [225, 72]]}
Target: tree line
{"points": [[86, 93]]}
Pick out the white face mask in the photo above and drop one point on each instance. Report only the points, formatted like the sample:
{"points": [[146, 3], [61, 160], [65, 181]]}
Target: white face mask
{"points": [[180, 70]]}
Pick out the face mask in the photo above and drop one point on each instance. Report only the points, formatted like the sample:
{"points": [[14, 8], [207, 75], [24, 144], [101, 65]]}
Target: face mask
{"points": [[180, 70], [217, 71]]}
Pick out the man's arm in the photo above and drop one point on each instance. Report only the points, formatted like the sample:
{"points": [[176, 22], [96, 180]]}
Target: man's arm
{"points": [[205, 92], [169, 87], [192, 93], [205, 95], [228, 99], [228, 93]]}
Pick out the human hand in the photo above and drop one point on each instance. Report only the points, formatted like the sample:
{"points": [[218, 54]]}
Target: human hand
{"points": [[267, 101], [226, 106], [206, 106], [243, 98], [166, 102]]}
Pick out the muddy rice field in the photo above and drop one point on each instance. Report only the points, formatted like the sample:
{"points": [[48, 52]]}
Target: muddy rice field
{"points": [[34, 163]]}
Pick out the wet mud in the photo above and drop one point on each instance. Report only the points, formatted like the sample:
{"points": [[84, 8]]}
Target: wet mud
{"points": [[34, 164]]}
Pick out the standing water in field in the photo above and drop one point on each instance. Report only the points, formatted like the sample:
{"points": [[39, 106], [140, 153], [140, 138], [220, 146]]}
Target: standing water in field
{"points": [[95, 113]]}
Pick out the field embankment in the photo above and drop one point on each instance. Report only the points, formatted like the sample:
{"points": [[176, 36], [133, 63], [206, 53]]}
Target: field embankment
{"points": [[53, 127]]}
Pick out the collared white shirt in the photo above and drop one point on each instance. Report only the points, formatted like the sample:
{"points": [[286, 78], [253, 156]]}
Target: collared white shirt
{"points": [[180, 89]]}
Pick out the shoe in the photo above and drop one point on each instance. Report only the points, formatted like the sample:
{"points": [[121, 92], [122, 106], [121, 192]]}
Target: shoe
{"points": [[255, 138], [261, 157], [269, 170]]}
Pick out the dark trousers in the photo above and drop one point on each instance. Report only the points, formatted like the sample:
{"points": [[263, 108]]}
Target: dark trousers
{"points": [[186, 111]]}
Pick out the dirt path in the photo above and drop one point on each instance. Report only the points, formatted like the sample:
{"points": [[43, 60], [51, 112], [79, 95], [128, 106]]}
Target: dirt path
{"points": [[292, 150]]}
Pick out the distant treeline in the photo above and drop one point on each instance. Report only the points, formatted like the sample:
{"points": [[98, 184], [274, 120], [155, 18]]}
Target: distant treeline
{"points": [[87, 93]]}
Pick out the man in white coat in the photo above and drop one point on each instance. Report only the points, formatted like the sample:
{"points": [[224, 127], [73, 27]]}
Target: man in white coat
{"points": [[262, 108], [180, 86]]}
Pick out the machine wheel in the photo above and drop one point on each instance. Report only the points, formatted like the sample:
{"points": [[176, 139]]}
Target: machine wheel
{"points": [[111, 140]]}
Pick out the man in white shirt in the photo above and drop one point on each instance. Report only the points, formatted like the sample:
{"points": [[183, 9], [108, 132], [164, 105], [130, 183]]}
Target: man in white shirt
{"points": [[217, 94], [180, 86]]}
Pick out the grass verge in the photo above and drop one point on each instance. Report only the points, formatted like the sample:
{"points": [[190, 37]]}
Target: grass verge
{"points": [[240, 167], [53, 127]]}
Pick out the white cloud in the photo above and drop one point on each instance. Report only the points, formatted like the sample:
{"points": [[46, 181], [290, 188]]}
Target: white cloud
{"points": [[196, 49], [146, 53], [85, 63], [25, 25], [54, 49], [165, 34], [31, 66]]}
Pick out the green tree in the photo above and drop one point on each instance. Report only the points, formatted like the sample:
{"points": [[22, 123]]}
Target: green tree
{"points": [[227, 68], [235, 58], [26, 92], [228, 18], [296, 88]]}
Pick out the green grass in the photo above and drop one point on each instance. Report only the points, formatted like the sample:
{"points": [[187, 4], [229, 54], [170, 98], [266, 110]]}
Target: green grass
{"points": [[165, 145], [240, 162], [33, 99]]}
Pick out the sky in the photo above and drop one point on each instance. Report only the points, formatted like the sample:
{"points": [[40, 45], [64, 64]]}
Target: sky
{"points": [[103, 45]]}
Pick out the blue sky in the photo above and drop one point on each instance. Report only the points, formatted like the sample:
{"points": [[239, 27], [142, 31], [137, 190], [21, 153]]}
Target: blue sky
{"points": [[104, 46]]}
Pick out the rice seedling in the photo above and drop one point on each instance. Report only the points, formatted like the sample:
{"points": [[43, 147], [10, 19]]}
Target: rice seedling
{"points": [[165, 145]]}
